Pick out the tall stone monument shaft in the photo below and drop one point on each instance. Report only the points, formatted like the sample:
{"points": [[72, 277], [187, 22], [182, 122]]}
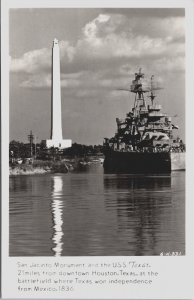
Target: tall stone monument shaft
{"points": [[56, 122], [56, 136]]}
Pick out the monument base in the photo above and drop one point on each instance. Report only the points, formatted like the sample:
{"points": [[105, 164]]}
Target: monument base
{"points": [[61, 144]]}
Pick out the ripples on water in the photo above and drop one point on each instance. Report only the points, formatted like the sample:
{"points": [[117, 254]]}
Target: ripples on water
{"points": [[91, 213]]}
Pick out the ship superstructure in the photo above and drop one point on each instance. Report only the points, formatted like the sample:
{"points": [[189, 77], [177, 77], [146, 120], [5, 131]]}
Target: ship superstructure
{"points": [[146, 129]]}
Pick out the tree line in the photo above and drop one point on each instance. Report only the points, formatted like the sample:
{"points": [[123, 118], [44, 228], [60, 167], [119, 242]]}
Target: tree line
{"points": [[20, 150]]}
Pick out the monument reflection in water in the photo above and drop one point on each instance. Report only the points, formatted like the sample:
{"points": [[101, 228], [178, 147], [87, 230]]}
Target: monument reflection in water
{"points": [[57, 205]]}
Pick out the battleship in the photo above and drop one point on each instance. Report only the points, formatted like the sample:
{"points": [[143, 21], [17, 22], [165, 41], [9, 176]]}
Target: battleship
{"points": [[144, 141]]}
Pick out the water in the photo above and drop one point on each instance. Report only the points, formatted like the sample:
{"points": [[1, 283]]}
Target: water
{"points": [[91, 213]]}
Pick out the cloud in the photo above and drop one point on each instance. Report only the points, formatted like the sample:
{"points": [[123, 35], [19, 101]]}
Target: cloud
{"points": [[40, 60], [148, 13], [91, 29], [108, 40], [31, 62], [38, 81], [117, 36], [41, 81], [173, 64]]}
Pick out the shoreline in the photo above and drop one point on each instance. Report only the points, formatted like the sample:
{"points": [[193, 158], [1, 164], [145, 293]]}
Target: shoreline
{"points": [[22, 171], [46, 167], [39, 168]]}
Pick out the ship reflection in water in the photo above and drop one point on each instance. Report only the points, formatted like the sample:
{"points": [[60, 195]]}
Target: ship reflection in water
{"points": [[92, 213], [143, 206]]}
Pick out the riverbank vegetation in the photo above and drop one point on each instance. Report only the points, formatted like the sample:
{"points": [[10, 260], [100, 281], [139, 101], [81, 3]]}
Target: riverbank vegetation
{"points": [[25, 159]]}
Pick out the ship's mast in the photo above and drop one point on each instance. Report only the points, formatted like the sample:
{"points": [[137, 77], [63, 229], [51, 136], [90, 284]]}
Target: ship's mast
{"points": [[138, 89]]}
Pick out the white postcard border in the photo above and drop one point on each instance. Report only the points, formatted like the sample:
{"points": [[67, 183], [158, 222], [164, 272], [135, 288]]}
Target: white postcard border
{"points": [[175, 280]]}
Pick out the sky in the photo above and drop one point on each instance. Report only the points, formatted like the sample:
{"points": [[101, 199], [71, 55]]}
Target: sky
{"points": [[100, 50]]}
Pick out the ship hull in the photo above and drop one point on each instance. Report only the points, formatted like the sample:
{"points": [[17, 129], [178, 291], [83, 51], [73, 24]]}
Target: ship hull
{"points": [[137, 162]]}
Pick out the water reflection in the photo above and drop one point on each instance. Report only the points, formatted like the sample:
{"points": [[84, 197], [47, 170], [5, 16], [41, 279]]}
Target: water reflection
{"points": [[142, 204], [146, 182], [57, 214], [92, 213]]}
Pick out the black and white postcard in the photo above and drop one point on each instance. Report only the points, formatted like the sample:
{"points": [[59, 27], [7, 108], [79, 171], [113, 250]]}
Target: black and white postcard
{"points": [[97, 110]]}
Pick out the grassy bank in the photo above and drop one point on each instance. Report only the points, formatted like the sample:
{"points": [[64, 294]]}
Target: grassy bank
{"points": [[39, 167]]}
